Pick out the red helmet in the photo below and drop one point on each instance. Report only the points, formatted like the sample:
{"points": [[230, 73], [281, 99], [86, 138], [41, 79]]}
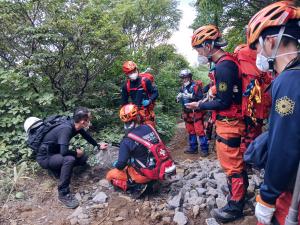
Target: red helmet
{"points": [[276, 14], [129, 66], [129, 112], [204, 33]]}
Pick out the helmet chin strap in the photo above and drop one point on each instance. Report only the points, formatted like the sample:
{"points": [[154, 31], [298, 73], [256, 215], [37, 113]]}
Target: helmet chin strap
{"points": [[271, 60]]}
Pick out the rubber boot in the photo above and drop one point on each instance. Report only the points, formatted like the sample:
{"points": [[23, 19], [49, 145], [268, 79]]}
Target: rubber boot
{"points": [[193, 144], [204, 146], [233, 210]]}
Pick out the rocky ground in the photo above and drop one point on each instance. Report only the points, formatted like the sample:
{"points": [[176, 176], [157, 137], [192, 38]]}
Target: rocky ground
{"points": [[184, 199]]}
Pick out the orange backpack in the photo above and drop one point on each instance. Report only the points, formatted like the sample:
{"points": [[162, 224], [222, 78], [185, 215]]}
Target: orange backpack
{"points": [[255, 102], [144, 77]]}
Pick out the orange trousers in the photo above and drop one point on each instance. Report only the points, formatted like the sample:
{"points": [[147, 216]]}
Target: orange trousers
{"points": [[122, 175], [194, 123], [230, 158]]}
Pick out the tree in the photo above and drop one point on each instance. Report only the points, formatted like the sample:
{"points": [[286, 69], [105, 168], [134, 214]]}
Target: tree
{"points": [[229, 15]]}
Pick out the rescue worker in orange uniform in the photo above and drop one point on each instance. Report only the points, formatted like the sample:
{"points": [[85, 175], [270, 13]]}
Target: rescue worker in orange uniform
{"points": [[141, 91], [230, 126], [189, 92]]}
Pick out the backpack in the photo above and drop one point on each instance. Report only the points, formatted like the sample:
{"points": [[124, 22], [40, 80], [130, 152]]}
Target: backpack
{"points": [[255, 102], [144, 77], [159, 162], [36, 135]]}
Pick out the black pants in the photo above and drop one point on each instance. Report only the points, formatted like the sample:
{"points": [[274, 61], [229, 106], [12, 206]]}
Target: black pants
{"points": [[63, 164]]}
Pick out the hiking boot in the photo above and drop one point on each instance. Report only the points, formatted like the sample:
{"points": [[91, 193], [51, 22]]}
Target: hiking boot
{"points": [[191, 152], [68, 200], [138, 190], [203, 154], [224, 217]]}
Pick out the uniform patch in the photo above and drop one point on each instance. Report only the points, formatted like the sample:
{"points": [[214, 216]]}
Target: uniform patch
{"points": [[284, 106], [222, 87]]}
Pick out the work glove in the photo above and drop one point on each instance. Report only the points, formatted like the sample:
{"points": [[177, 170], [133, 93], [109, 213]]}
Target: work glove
{"points": [[146, 102], [187, 95], [263, 211], [114, 163], [179, 96]]}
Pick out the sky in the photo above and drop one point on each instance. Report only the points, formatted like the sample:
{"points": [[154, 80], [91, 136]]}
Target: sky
{"points": [[182, 38]]}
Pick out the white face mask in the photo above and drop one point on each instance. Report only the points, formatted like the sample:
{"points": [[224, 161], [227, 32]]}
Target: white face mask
{"points": [[262, 62], [133, 76], [202, 60], [186, 83]]}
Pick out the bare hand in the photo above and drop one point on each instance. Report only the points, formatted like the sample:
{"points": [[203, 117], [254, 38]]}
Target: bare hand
{"points": [[79, 152], [192, 105], [103, 146]]}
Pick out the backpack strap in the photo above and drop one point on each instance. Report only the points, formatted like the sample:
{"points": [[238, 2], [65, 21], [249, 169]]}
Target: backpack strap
{"points": [[294, 68], [140, 140], [155, 132]]}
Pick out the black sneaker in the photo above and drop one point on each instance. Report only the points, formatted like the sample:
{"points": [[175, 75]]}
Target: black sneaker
{"points": [[224, 217], [68, 200]]}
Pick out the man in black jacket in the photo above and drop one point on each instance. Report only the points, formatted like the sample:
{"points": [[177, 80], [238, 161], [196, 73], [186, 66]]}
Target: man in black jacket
{"points": [[54, 153]]}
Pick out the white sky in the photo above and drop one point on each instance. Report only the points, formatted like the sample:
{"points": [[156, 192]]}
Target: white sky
{"points": [[182, 38]]}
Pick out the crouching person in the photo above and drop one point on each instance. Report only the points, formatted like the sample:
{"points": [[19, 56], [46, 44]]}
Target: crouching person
{"points": [[143, 158], [50, 140]]}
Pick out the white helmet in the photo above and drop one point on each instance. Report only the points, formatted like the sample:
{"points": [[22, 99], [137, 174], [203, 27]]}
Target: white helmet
{"points": [[31, 122]]}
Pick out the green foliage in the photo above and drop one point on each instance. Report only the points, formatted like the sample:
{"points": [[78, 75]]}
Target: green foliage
{"points": [[201, 73], [19, 102], [59, 54], [229, 15], [165, 125]]}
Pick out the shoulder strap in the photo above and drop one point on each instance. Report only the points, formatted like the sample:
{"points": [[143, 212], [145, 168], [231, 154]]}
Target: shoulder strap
{"points": [[144, 85], [155, 132], [140, 140]]}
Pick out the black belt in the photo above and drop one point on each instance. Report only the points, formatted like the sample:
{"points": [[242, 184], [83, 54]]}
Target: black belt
{"points": [[225, 118], [232, 142]]}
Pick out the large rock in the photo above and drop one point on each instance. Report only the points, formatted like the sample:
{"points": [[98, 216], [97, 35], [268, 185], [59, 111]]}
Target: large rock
{"points": [[101, 197], [180, 218]]}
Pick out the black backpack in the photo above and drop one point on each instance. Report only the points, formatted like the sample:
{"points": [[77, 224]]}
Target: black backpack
{"points": [[36, 135]]}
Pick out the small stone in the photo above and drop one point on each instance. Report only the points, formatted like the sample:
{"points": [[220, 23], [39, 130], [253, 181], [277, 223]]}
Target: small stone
{"points": [[119, 218], [104, 183], [193, 194], [211, 221], [101, 197], [212, 192], [20, 195], [196, 209], [78, 196], [180, 218], [175, 201], [201, 191], [220, 202], [73, 221], [83, 216], [166, 219], [210, 202], [77, 212], [123, 213], [84, 222]]}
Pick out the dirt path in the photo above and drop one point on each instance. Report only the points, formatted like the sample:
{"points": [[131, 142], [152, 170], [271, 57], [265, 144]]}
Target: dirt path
{"points": [[40, 205]]}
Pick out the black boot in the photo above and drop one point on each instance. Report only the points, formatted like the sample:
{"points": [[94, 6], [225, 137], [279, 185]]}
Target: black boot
{"points": [[138, 190], [68, 200], [226, 214]]}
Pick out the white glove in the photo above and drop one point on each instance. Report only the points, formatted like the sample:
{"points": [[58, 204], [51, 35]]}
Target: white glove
{"points": [[179, 96], [187, 95], [263, 213]]}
